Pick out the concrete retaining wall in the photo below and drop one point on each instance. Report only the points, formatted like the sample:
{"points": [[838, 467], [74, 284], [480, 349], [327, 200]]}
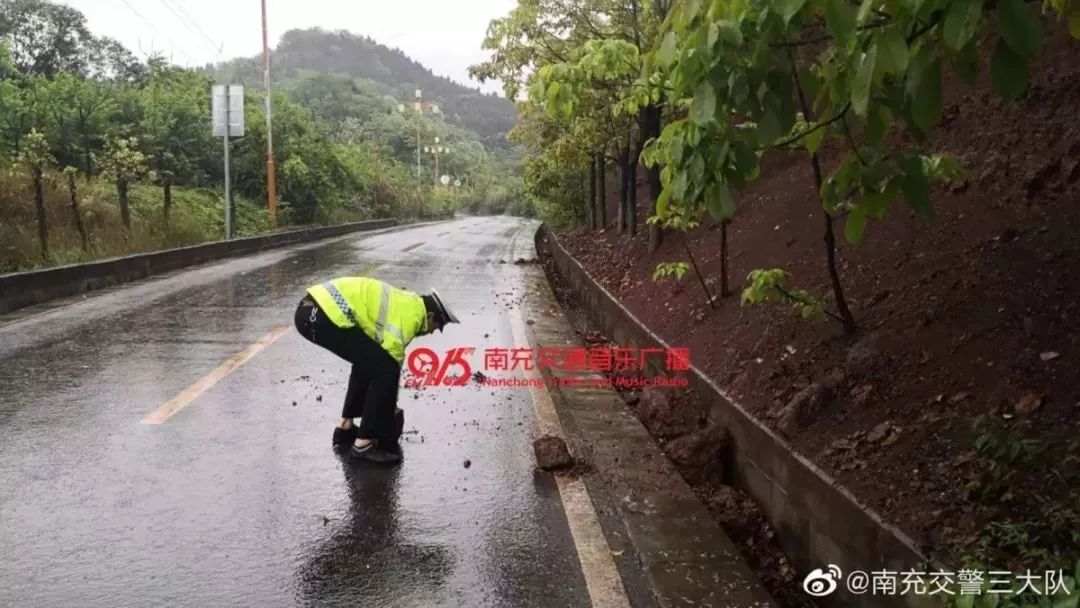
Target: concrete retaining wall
{"points": [[21, 289], [818, 521]]}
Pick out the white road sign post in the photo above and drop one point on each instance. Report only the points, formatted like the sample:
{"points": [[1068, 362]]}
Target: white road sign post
{"points": [[228, 116]]}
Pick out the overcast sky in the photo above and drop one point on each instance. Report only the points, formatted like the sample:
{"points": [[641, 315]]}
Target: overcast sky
{"points": [[445, 36]]}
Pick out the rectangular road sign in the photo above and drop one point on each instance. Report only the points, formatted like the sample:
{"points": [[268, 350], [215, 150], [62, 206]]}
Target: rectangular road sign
{"points": [[234, 107]]}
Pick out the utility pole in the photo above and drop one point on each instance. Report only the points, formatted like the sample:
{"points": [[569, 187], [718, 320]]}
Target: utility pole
{"points": [[271, 174], [419, 114], [436, 150]]}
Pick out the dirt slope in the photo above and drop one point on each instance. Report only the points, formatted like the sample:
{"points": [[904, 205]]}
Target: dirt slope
{"points": [[974, 314]]}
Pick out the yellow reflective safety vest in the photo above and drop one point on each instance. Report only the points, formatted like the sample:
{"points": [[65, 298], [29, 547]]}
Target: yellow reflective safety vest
{"points": [[390, 316]]}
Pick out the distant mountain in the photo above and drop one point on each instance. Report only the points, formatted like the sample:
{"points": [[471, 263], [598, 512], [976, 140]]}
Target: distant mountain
{"points": [[488, 115]]}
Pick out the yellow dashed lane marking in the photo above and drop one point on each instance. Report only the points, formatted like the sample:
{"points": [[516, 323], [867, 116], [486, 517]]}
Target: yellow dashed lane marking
{"points": [[208, 381]]}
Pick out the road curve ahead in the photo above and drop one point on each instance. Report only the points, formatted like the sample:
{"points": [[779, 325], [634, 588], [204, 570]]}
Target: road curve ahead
{"points": [[233, 496]]}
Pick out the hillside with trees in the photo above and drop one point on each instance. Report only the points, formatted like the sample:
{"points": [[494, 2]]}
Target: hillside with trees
{"points": [[860, 217], [104, 154], [383, 72]]}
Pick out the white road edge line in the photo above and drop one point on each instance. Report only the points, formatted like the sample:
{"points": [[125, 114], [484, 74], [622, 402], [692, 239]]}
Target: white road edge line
{"points": [[602, 578]]}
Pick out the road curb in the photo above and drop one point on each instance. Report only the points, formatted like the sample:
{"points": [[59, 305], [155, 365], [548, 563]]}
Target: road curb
{"points": [[22, 289], [818, 521], [676, 546]]}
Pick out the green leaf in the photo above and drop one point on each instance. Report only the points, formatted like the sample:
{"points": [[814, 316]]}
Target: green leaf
{"points": [[860, 89], [840, 21], [878, 121], [738, 86], [965, 601], [668, 49], [703, 108], [961, 23], [745, 159], [811, 86], [679, 187], [697, 169], [855, 226], [552, 94], [916, 187], [721, 204], [892, 55], [813, 140], [864, 11], [966, 63], [1008, 72], [1074, 31], [876, 204], [662, 201], [924, 90], [1069, 601], [1021, 30], [788, 8], [729, 32], [768, 129]]}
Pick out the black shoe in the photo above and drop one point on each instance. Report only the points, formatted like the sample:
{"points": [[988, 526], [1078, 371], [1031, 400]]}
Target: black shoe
{"points": [[372, 453], [343, 438]]}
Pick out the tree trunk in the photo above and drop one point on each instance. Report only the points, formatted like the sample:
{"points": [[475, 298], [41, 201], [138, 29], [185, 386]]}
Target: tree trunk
{"points": [[592, 193], [631, 199], [602, 160], [73, 191], [725, 291], [581, 194], [697, 271], [39, 206], [846, 319], [167, 205], [88, 159], [624, 192], [652, 118], [122, 194]]}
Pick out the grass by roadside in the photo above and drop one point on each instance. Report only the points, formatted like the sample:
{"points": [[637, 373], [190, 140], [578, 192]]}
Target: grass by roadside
{"points": [[197, 216]]}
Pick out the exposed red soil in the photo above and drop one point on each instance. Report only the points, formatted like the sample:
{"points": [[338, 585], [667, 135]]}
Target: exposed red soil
{"points": [[975, 313]]}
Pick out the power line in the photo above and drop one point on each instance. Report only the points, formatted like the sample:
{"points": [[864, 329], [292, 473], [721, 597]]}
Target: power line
{"points": [[154, 27], [169, 4]]}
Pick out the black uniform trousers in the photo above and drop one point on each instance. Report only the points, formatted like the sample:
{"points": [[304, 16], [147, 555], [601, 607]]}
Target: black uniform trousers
{"points": [[373, 382]]}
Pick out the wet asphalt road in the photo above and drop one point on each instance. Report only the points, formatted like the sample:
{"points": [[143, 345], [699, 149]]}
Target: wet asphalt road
{"points": [[238, 499]]}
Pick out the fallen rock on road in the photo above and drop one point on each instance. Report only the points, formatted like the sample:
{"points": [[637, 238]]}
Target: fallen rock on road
{"points": [[552, 454]]}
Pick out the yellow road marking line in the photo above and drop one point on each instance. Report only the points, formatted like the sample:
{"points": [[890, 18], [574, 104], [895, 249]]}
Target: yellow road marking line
{"points": [[411, 247], [594, 554], [205, 383]]}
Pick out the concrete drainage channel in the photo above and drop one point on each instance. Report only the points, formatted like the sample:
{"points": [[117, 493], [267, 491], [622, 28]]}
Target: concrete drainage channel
{"points": [[668, 549], [22, 289], [817, 521]]}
